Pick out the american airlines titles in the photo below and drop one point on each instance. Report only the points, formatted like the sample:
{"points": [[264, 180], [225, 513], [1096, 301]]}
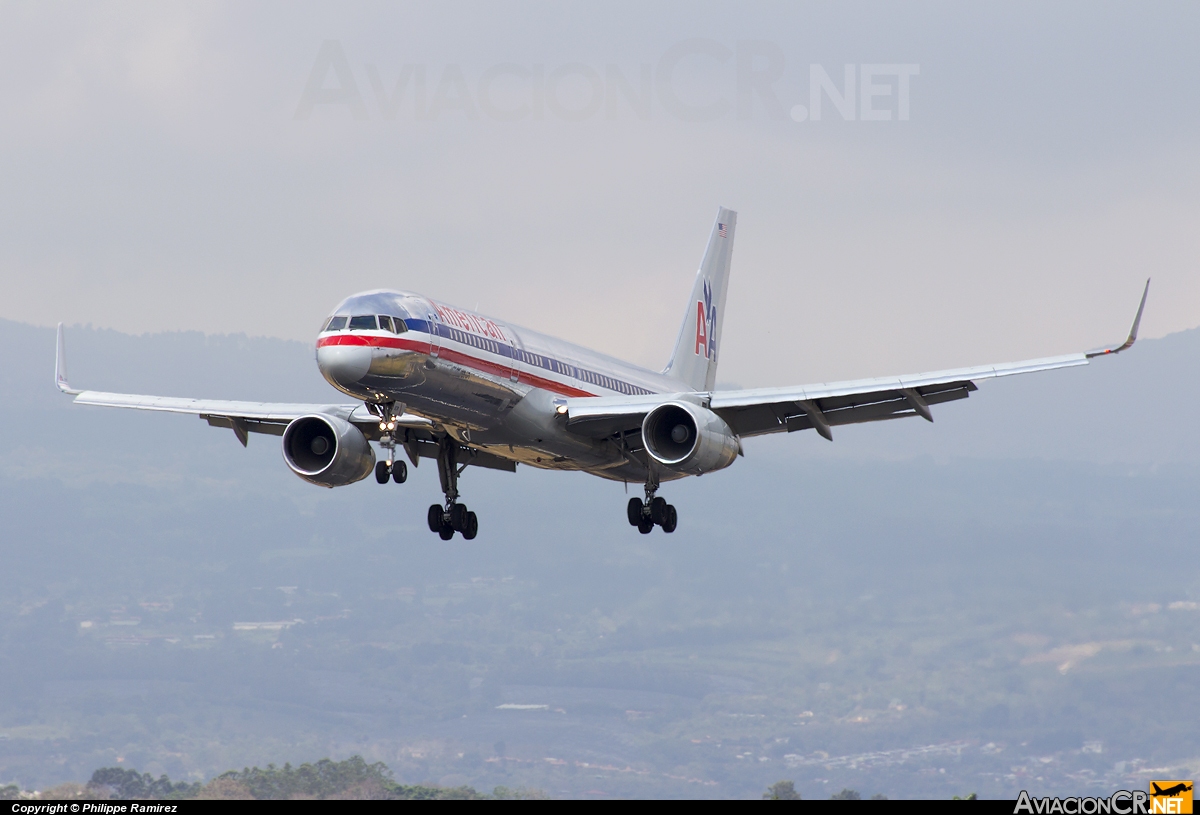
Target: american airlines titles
{"points": [[470, 322]]}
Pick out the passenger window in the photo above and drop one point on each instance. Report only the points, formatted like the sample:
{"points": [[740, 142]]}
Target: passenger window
{"points": [[365, 322], [400, 326], [385, 323], [336, 324]]}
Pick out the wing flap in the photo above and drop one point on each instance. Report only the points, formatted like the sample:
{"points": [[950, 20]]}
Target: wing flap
{"points": [[897, 408], [240, 425]]}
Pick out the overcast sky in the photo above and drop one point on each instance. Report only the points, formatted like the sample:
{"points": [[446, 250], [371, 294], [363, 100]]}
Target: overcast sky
{"points": [[242, 167]]}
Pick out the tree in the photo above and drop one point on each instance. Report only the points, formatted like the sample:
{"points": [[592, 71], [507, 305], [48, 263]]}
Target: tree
{"points": [[846, 794], [352, 779], [518, 794], [124, 784], [67, 791], [781, 791], [224, 789]]}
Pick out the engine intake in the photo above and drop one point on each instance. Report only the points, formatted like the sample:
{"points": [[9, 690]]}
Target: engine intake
{"points": [[688, 438], [327, 451]]}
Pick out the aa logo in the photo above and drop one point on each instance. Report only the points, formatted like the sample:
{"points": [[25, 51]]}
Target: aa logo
{"points": [[706, 324], [1170, 797]]}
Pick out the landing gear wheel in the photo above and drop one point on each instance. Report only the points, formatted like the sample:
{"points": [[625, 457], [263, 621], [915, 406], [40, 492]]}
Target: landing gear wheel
{"points": [[381, 472], [458, 517], [658, 510], [471, 529], [399, 472], [446, 533], [646, 526], [634, 511], [434, 517], [672, 519]]}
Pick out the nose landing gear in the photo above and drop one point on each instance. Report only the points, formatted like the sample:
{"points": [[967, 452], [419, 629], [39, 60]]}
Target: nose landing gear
{"points": [[453, 517], [396, 470], [654, 511]]}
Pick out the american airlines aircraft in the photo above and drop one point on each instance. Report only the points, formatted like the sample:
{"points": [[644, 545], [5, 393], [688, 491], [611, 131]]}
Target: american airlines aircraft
{"points": [[446, 383]]}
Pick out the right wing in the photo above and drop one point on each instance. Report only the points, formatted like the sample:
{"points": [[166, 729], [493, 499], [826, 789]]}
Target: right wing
{"points": [[772, 410], [758, 411]]}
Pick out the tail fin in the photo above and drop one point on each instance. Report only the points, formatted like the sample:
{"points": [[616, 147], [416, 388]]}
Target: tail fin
{"points": [[694, 362]]}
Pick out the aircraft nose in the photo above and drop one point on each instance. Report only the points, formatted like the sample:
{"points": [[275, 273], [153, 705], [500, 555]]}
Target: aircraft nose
{"points": [[344, 365]]}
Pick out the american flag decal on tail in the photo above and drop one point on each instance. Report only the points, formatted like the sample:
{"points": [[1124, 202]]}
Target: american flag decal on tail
{"points": [[722, 231]]}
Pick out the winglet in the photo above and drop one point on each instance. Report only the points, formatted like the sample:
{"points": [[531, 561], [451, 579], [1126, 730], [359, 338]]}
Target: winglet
{"points": [[60, 365], [1133, 330]]}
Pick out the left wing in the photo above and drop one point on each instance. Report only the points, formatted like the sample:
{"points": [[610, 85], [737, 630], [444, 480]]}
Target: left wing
{"points": [[420, 434], [758, 411], [244, 417]]}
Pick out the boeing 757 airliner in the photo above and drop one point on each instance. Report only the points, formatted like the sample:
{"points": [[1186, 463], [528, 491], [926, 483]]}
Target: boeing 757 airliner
{"points": [[446, 383]]}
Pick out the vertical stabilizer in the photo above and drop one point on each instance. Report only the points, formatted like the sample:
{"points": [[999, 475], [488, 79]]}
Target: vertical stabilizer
{"points": [[694, 362]]}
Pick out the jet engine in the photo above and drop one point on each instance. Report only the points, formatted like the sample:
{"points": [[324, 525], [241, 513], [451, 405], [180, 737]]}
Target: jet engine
{"points": [[688, 438], [327, 451]]}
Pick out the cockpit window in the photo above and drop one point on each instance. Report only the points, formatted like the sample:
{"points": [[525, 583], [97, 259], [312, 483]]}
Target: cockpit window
{"points": [[385, 323], [335, 324], [364, 322], [400, 326]]}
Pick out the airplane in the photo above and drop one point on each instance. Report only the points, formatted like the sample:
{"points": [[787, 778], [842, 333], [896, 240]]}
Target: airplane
{"points": [[437, 381], [1169, 792]]}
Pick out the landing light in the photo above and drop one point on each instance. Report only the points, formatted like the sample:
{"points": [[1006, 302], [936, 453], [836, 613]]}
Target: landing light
{"points": [[561, 410]]}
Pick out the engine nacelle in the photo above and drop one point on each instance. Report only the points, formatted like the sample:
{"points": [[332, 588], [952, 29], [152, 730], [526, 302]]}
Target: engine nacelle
{"points": [[688, 438], [327, 451]]}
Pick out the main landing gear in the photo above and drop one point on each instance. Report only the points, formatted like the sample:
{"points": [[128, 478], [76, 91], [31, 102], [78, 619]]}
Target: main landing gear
{"points": [[444, 520], [453, 517], [654, 511]]}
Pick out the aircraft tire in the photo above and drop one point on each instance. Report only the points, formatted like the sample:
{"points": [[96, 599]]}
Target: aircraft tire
{"points": [[658, 510], [646, 526], [472, 527], [434, 516], [458, 517], [446, 533], [381, 472], [634, 511], [399, 472], [671, 521]]}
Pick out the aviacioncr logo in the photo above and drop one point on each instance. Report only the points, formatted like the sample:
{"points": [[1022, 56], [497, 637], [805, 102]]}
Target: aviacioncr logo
{"points": [[706, 324]]}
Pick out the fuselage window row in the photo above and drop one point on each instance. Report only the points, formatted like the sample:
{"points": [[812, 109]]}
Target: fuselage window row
{"points": [[396, 325]]}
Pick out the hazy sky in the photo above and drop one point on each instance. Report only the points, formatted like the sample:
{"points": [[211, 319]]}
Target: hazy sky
{"points": [[170, 166]]}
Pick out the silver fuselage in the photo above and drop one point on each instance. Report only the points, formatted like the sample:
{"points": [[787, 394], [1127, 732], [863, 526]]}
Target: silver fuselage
{"points": [[488, 383]]}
